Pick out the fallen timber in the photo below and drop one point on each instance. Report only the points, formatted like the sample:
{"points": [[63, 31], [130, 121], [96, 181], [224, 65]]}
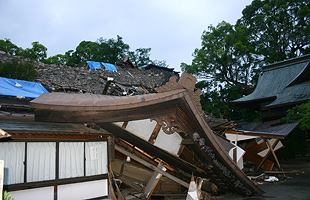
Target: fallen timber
{"points": [[176, 107]]}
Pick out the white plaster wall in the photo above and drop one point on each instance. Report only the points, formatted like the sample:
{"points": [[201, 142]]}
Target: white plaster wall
{"points": [[85, 190], [170, 143], [144, 128], [46, 193], [141, 128]]}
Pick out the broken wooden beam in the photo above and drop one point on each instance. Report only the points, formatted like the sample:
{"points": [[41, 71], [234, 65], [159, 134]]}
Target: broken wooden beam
{"points": [[136, 158]]}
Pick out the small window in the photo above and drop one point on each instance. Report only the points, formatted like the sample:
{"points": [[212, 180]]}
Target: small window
{"points": [[96, 158], [41, 161], [13, 154], [71, 159]]}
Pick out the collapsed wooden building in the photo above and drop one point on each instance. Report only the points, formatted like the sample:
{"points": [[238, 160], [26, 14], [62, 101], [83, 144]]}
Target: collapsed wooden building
{"points": [[154, 136], [176, 112]]}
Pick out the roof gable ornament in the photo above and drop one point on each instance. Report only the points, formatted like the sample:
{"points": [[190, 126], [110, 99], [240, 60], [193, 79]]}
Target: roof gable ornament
{"points": [[169, 123], [187, 82]]}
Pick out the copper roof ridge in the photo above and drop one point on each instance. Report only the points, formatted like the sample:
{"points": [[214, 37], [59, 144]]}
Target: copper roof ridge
{"points": [[57, 101]]}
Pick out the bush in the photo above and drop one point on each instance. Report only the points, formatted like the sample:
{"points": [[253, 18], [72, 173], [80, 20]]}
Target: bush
{"points": [[295, 142], [16, 70]]}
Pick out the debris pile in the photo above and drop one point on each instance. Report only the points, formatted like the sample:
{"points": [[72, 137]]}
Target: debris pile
{"points": [[128, 80]]}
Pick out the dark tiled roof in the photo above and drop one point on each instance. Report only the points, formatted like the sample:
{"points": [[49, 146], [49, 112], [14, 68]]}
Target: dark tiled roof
{"points": [[294, 94], [275, 80], [32, 126], [271, 131]]}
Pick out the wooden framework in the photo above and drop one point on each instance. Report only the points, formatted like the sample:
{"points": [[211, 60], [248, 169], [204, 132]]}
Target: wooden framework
{"points": [[176, 107]]}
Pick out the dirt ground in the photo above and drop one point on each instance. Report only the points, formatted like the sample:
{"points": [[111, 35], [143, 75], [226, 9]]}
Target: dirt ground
{"points": [[294, 185]]}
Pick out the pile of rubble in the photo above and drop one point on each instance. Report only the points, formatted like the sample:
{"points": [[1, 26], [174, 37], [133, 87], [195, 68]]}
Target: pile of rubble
{"points": [[128, 80]]}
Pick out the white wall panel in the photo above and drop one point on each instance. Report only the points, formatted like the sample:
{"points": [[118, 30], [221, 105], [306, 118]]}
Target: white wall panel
{"points": [[85, 190], [170, 143], [141, 128], [46, 193]]}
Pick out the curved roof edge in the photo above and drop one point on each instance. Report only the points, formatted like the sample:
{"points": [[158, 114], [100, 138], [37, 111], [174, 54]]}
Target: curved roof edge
{"points": [[277, 77]]}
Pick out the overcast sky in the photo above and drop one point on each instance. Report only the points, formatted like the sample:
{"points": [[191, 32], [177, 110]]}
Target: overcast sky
{"points": [[171, 28]]}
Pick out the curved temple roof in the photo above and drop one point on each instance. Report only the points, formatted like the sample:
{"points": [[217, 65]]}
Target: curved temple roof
{"points": [[176, 99], [281, 83]]}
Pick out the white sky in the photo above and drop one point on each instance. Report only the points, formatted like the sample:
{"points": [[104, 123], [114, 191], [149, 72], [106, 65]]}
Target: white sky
{"points": [[172, 28]]}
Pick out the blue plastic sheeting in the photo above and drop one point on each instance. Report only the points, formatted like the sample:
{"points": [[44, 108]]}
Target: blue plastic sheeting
{"points": [[109, 66], [144, 66], [93, 65], [96, 65], [13, 87]]}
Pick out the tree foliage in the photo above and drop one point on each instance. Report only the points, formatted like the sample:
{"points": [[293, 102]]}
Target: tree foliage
{"points": [[295, 142], [58, 59], [15, 70], [230, 55], [300, 113], [226, 64], [278, 29], [140, 57], [38, 52], [7, 46], [224, 58], [218, 102], [103, 50]]}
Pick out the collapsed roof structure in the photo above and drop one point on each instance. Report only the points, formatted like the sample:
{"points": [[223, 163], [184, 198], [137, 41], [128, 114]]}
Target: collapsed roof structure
{"points": [[176, 109], [158, 125]]}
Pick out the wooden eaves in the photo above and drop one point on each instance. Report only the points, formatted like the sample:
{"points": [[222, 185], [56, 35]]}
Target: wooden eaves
{"points": [[176, 104]]}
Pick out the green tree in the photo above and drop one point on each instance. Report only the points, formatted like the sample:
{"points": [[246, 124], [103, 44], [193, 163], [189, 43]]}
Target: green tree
{"points": [[226, 63], [161, 63], [85, 51], [15, 70], [115, 50], [295, 142], [224, 58], [140, 56], [38, 52], [103, 50], [269, 31], [278, 29], [218, 102], [57, 59], [7, 46]]}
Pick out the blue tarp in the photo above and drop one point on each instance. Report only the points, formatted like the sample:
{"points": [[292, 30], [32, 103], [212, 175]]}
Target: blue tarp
{"points": [[93, 65], [96, 65], [13, 87], [109, 66]]}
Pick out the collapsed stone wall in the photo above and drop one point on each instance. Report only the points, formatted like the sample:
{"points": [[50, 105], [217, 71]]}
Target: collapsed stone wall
{"points": [[128, 80]]}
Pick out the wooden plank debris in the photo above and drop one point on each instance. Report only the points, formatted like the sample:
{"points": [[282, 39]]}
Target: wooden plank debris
{"points": [[152, 166]]}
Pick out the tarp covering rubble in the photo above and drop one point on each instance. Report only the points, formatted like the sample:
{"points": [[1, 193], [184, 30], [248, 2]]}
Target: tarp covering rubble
{"points": [[20, 88], [97, 65]]}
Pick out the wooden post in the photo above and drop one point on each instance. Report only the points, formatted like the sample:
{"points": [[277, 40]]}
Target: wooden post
{"points": [[273, 153], [107, 85], [154, 180]]}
